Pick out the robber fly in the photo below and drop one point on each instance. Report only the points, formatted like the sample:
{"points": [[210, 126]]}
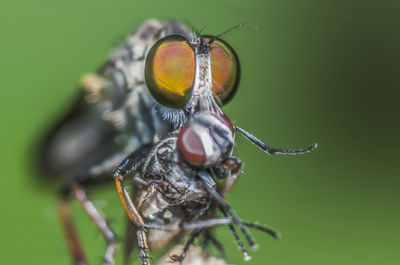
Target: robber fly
{"points": [[153, 114]]}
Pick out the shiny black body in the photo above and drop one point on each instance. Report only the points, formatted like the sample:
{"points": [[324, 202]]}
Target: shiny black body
{"points": [[169, 192], [174, 196]]}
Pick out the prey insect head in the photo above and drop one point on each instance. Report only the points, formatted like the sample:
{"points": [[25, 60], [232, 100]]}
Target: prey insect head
{"points": [[191, 75], [206, 139]]}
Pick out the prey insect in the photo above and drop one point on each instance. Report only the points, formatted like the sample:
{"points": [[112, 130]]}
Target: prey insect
{"points": [[152, 114]]}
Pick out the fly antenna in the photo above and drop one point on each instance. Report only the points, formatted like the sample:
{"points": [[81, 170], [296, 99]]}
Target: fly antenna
{"points": [[225, 32], [231, 29], [198, 32], [193, 31]]}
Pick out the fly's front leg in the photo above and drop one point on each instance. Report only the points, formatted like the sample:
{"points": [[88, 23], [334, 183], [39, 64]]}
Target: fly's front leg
{"points": [[132, 162]]}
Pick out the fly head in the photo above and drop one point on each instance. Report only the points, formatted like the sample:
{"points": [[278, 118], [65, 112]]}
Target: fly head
{"points": [[187, 76]]}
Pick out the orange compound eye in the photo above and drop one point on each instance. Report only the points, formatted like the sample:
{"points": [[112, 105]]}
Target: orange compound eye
{"points": [[169, 71], [225, 69]]}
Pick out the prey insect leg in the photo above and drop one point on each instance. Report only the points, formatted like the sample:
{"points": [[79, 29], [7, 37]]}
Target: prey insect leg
{"points": [[205, 177], [198, 213], [210, 238], [246, 254], [264, 229], [205, 225], [234, 165], [195, 234], [224, 205], [128, 164], [209, 223], [270, 150]]}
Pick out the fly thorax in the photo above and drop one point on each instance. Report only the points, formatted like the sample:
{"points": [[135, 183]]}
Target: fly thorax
{"points": [[206, 139]]}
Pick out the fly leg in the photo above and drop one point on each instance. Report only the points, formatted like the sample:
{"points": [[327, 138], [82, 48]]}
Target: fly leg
{"points": [[209, 223], [193, 235], [208, 237], [100, 222], [272, 151], [233, 164], [261, 228], [129, 164], [91, 175], [227, 210], [242, 248], [73, 241], [205, 225]]}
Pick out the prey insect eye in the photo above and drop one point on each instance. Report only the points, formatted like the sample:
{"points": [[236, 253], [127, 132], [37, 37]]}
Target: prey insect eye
{"points": [[206, 139], [225, 70], [169, 71], [191, 147]]}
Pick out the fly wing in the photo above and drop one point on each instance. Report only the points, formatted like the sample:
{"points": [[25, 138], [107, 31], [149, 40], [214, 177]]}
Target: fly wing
{"points": [[78, 139], [115, 113]]}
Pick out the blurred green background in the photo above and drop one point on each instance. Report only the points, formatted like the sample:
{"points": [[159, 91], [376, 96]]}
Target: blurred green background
{"points": [[313, 71]]}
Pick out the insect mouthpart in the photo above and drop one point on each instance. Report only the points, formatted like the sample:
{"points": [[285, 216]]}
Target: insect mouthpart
{"points": [[206, 139]]}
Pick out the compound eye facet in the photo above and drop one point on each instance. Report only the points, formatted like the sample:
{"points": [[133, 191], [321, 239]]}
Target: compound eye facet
{"points": [[225, 69], [169, 71]]}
